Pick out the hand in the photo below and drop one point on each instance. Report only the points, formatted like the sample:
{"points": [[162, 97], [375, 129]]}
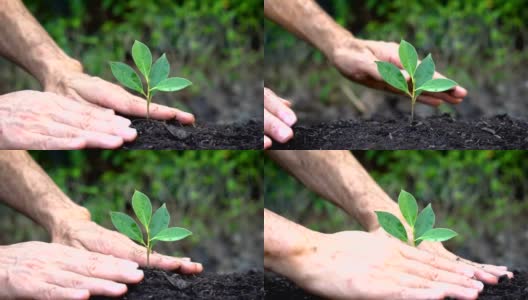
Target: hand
{"points": [[278, 119], [36, 270], [361, 265], [356, 59], [85, 234], [100, 93], [487, 273], [37, 120]]}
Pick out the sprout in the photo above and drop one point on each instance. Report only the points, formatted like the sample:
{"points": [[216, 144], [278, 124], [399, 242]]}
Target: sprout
{"points": [[156, 226], [156, 75], [421, 224], [421, 75]]}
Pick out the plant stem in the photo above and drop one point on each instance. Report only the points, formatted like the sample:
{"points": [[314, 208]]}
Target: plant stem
{"points": [[149, 244], [149, 97], [413, 100]]}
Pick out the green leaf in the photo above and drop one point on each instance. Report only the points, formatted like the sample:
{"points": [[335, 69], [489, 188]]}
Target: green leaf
{"points": [[425, 222], [127, 226], [172, 84], [126, 76], [438, 85], [408, 207], [160, 70], [424, 72], [392, 75], [392, 225], [438, 235], [408, 57], [172, 234], [160, 220], [142, 208], [142, 57]]}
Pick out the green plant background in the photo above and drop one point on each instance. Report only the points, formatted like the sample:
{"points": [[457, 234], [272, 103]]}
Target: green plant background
{"points": [[213, 43], [482, 195], [480, 44], [217, 195]]}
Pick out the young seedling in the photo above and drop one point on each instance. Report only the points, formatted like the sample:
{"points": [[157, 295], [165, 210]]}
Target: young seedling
{"points": [[421, 224], [156, 76], [156, 226], [421, 75]]}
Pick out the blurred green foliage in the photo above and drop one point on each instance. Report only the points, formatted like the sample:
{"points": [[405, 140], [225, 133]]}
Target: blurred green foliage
{"points": [[473, 41], [474, 192], [201, 38], [213, 193]]}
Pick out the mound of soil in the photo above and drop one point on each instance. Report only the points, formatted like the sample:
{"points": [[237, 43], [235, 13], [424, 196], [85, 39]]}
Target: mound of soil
{"points": [[154, 134], [436, 132], [277, 287], [161, 285]]}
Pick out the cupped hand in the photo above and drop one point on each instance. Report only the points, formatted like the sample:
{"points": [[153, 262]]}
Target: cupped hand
{"points": [[100, 93], [356, 59], [85, 234], [361, 265], [43, 120], [278, 119], [37, 270]]}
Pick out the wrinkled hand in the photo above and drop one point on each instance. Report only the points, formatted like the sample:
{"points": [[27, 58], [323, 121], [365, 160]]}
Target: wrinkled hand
{"points": [[487, 273], [356, 59], [85, 234], [101, 93], [37, 120], [36, 270], [278, 119], [361, 265]]}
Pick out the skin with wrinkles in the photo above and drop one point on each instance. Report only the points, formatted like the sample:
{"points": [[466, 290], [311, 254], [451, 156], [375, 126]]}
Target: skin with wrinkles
{"points": [[384, 267], [26, 43], [354, 58], [83, 259]]}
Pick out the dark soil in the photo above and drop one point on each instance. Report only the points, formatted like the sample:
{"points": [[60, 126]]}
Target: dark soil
{"points": [[161, 285], [436, 132], [515, 289], [172, 135]]}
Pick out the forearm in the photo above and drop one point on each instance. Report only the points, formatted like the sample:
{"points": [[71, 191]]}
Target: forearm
{"points": [[338, 177], [307, 20], [28, 189], [283, 242], [26, 43]]}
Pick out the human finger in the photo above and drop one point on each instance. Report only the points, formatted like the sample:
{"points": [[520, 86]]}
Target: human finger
{"points": [[267, 142], [95, 286], [276, 106], [276, 129]]}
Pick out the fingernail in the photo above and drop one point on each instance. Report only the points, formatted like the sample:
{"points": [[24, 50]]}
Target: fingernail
{"points": [[284, 134], [117, 288], [127, 133], [136, 274], [478, 285], [186, 258], [288, 118], [468, 273], [112, 141]]}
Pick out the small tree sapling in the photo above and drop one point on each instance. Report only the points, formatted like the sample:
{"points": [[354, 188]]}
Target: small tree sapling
{"points": [[421, 224], [421, 75], [156, 226], [156, 76]]}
